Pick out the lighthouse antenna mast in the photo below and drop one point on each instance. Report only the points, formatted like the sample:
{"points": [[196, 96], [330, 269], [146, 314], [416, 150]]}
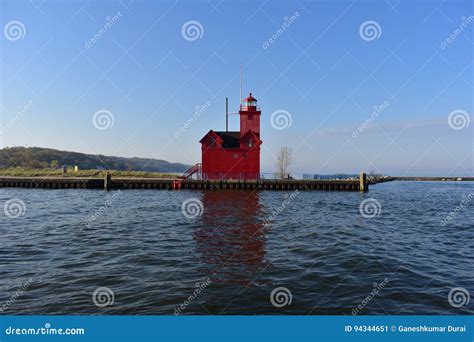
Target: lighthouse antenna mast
{"points": [[226, 114], [241, 85]]}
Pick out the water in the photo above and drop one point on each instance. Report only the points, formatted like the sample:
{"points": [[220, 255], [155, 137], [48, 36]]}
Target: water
{"points": [[317, 245]]}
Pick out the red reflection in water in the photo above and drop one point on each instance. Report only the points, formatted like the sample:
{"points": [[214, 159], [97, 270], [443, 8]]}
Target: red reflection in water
{"points": [[231, 240]]}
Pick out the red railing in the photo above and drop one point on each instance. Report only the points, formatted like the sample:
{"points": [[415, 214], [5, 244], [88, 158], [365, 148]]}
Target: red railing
{"points": [[195, 169], [230, 175]]}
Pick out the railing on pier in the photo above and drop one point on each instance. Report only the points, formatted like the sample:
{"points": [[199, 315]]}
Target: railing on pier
{"points": [[230, 176], [335, 176], [193, 170]]}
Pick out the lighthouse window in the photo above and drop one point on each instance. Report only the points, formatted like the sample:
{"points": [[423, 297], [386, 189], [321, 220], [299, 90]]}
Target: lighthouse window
{"points": [[250, 143], [236, 155]]}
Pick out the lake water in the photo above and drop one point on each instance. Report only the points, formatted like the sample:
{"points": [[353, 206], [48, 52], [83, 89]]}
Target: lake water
{"points": [[137, 252]]}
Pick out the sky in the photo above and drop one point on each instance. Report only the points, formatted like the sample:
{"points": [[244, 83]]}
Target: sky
{"points": [[349, 86]]}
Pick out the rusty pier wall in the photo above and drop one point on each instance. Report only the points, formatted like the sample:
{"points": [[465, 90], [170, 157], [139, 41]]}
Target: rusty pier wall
{"points": [[110, 183]]}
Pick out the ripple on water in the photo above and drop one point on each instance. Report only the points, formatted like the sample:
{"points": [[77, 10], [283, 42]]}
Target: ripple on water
{"points": [[318, 246]]}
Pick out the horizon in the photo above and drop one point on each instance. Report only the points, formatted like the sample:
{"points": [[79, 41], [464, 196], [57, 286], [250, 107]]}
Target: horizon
{"points": [[344, 82], [298, 175]]}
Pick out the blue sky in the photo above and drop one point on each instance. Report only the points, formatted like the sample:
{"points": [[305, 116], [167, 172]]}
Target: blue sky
{"points": [[321, 69]]}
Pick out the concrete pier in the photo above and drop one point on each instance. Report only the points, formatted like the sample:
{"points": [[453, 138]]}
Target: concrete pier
{"points": [[111, 183], [363, 186], [108, 181]]}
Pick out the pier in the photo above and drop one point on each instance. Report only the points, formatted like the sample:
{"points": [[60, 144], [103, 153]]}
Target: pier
{"points": [[112, 183]]}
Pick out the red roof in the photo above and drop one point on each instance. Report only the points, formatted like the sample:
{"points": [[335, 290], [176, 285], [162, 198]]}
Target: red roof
{"points": [[253, 135], [212, 134], [250, 98], [230, 139]]}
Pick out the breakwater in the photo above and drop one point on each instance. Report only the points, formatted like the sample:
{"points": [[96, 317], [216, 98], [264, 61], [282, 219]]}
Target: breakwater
{"points": [[110, 183]]}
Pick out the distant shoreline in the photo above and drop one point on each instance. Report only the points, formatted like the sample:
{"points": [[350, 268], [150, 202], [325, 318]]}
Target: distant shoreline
{"points": [[435, 179], [54, 173], [92, 173]]}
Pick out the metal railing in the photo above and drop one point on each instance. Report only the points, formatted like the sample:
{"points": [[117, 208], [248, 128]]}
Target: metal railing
{"points": [[230, 176], [195, 169], [249, 107], [334, 176]]}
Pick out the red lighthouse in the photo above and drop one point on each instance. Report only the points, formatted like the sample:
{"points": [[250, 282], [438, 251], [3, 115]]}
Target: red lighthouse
{"points": [[234, 155]]}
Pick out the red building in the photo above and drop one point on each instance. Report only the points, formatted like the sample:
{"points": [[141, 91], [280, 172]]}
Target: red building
{"points": [[234, 155]]}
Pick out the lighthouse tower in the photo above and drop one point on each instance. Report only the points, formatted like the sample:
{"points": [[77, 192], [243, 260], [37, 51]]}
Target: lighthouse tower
{"points": [[250, 116]]}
